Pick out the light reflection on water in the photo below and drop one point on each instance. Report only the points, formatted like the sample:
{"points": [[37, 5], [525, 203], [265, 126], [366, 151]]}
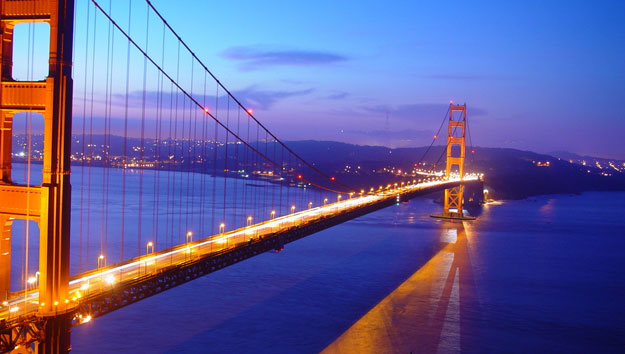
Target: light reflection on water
{"points": [[424, 312]]}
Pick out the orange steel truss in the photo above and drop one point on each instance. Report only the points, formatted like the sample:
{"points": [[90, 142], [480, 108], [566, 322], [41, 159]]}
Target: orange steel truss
{"points": [[49, 203]]}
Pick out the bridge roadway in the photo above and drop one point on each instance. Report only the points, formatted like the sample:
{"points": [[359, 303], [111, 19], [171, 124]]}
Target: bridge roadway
{"points": [[103, 290]]}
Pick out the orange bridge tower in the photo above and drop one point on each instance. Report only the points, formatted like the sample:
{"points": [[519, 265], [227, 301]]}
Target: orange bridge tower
{"points": [[456, 150], [49, 203]]}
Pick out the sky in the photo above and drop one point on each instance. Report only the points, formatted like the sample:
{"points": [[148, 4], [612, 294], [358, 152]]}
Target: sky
{"points": [[535, 75]]}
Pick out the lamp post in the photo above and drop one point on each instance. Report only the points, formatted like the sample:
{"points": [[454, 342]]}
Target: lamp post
{"points": [[148, 246], [272, 214], [100, 261], [222, 228], [32, 282], [325, 200], [292, 209], [249, 221], [309, 205], [189, 236]]}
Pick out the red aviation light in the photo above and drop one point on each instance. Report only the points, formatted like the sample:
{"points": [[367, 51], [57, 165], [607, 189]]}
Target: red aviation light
{"points": [[206, 110], [249, 111], [299, 176], [332, 178]]}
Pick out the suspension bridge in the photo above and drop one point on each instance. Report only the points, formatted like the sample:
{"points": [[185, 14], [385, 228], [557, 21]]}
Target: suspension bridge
{"points": [[172, 176]]}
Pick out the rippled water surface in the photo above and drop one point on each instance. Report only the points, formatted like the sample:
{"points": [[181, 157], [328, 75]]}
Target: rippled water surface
{"points": [[538, 275]]}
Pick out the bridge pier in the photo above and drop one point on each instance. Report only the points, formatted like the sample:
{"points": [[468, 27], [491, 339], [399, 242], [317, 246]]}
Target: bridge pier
{"points": [[55, 334]]}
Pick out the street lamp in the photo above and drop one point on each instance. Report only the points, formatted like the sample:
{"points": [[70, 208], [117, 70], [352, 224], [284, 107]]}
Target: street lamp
{"points": [[100, 261], [33, 280], [325, 200], [338, 198], [249, 221], [222, 228], [309, 205], [351, 194], [148, 246], [292, 209], [272, 214], [189, 236]]}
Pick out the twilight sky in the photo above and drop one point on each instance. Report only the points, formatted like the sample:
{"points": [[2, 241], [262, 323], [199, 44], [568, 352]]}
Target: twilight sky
{"points": [[536, 75]]}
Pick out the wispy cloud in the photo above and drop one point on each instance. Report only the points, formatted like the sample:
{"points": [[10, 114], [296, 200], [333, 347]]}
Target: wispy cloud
{"points": [[465, 77], [253, 97], [265, 99], [336, 96], [418, 110], [383, 135], [255, 58]]}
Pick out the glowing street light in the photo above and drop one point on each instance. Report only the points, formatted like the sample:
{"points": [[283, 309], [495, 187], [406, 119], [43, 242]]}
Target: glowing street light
{"points": [[292, 209], [100, 261], [222, 228], [189, 236], [148, 246], [33, 280], [249, 221], [273, 214], [325, 200], [309, 205], [110, 279], [338, 198], [351, 194]]}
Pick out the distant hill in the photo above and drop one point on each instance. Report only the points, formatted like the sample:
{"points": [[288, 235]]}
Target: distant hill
{"points": [[509, 173]]}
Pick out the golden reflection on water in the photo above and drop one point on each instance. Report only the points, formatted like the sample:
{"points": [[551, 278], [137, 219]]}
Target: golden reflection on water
{"points": [[425, 313]]}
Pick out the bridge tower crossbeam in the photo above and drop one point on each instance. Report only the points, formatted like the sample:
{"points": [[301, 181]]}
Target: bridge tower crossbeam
{"points": [[49, 203]]}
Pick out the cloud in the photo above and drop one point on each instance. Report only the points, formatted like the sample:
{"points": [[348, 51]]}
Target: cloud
{"points": [[465, 77], [418, 111], [405, 135], [252, 97], [265, 99], [337, 96], [255, 59]]}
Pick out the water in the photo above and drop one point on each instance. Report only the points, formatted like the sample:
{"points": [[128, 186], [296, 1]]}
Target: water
{"points": [[538, 275]]}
